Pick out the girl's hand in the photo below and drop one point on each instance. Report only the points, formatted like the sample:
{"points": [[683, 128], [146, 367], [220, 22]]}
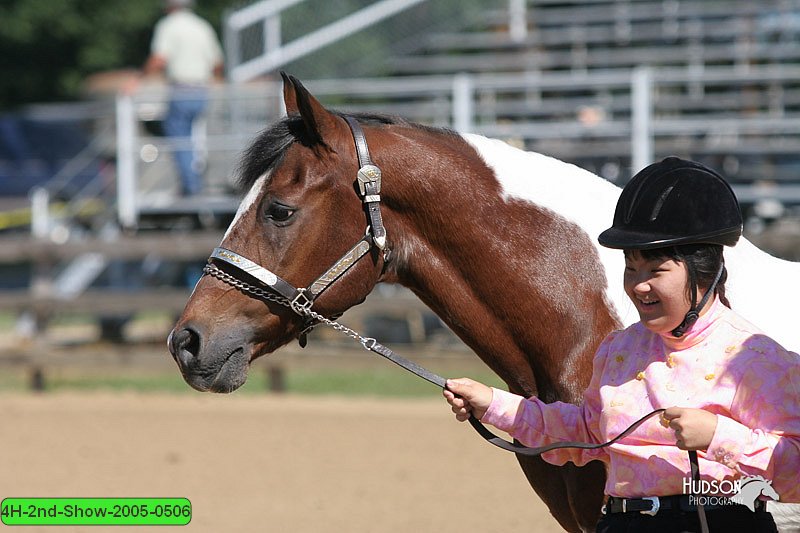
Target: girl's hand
{"points": [[468, 396], [694, 428]]}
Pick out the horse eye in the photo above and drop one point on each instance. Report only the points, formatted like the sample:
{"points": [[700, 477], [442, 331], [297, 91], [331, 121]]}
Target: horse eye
{"points": [[279, 212]]}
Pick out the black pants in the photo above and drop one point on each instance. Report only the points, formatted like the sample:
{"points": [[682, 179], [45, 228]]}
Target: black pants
{"points": [[728, 519]]}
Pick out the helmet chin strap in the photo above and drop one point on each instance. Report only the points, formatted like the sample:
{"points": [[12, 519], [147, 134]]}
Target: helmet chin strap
{"points": [[694, 311]]}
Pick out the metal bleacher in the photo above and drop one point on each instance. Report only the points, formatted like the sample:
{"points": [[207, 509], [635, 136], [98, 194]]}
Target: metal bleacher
{"points": [[722, 86], [619, 34], [606, 84], [717, 81]]}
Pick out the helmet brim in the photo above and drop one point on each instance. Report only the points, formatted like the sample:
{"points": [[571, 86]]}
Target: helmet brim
{"points": [[626, 239]]}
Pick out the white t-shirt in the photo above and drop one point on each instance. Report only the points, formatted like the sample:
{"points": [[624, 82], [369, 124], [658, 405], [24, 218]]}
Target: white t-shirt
{"points": [[189, 46]]}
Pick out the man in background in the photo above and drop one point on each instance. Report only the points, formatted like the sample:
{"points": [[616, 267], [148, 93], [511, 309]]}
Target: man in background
{"points": [[185, 49]]}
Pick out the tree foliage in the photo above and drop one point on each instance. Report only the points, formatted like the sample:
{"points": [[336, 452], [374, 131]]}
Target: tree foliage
{"points": [[50, 46]]}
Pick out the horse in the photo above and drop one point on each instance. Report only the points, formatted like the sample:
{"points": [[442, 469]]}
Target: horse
{"points": [[498, 242]]}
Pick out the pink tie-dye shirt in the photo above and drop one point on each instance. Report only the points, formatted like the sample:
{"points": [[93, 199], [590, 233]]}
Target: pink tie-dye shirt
{"points": [[723, 364]]}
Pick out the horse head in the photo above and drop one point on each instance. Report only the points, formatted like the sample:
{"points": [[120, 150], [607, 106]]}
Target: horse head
{"points": [[766, 489], [770, 492], [302, 213], [751, 489]]}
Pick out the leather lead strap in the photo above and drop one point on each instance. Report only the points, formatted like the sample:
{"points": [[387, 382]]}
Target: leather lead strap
{"points": [[274, 281], [484, 432], [524, 450], [412, 367], [521, 449], [694, 465]]}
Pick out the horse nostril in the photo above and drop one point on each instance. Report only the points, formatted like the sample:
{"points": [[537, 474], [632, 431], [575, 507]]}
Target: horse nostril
{"points": [[184, 346]]}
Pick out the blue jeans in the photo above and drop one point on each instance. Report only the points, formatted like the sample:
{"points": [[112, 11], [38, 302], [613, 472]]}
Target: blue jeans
{"points": [[185, 105]]}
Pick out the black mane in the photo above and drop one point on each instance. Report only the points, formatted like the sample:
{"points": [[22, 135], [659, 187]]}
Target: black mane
{"points": [[266, 152]]}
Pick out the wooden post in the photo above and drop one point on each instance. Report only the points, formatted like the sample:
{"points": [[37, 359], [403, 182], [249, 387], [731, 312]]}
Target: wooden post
{"points": [[276, 379], [37, 379]]}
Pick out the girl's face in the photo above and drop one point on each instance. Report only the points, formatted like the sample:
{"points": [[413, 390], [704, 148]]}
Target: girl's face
{"points": [[657, 287]]}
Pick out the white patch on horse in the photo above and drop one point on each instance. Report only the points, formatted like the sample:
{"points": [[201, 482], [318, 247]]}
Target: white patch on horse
{"points": [[247, 202], [571, 193], [760, 287]]}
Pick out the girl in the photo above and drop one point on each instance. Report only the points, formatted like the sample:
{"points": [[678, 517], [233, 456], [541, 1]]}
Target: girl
{"points": [[730, 392]]}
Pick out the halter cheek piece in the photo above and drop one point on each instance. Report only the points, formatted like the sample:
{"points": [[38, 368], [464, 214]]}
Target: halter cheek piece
{"points": [[300, 300]]}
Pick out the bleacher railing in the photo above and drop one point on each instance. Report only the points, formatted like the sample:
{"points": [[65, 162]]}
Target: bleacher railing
{"points": [[268, 35], [629, 117]]}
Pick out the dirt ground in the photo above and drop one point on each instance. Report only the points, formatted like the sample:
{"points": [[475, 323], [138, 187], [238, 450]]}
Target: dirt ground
{"points": [[272, 463]]}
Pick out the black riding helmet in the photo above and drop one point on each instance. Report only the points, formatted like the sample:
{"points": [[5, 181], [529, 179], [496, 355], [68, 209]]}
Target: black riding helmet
{"points": [[674, 202]]}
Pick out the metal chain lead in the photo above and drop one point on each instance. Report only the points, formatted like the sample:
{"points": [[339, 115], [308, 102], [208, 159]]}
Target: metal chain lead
{"points": [[213, 270], [366, 342]]}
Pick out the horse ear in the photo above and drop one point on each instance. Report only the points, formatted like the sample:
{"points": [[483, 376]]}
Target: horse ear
{"points": [[317, 120], [289, 99]]}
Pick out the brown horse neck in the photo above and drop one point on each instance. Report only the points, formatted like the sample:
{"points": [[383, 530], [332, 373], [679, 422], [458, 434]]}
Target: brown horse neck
{"points": [[494, 270]]}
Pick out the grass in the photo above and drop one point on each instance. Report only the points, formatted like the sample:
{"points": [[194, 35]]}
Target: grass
{"points": [[7, 321], [365, 378], [388, 382], [392, 382]]}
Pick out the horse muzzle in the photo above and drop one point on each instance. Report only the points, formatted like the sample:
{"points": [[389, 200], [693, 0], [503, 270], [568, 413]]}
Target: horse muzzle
{"points": [[209, 366]]}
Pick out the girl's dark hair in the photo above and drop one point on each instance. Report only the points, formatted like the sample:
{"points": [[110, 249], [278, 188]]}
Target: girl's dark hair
{"points": [[703, 259]]}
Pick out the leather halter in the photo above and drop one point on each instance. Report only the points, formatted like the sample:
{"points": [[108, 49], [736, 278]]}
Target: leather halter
{"points": [[300, 300]]}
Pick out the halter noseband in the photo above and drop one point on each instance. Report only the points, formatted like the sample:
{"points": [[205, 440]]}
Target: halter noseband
{"points": [[300, 300]]}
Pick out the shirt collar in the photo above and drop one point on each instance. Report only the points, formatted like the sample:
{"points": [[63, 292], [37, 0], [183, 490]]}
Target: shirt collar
{"points": [[699, 331]]}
